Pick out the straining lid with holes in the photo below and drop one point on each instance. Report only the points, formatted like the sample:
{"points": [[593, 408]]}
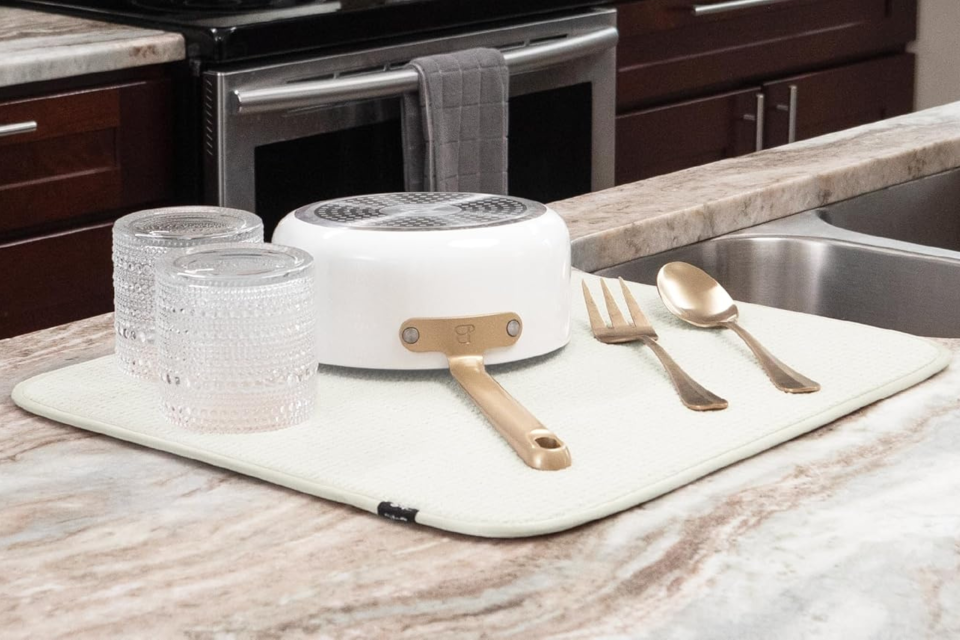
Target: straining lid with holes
{"points": [[420, 211], [386, 258]]}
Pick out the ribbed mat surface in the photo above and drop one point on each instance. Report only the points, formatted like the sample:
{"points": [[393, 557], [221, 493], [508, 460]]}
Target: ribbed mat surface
{"points": [[403, 441]]}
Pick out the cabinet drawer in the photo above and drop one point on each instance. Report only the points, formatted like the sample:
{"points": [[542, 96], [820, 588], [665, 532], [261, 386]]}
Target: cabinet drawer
{"points": [[666, 139], [92, 152], [62, 115], [55, 279], [667, 50]]}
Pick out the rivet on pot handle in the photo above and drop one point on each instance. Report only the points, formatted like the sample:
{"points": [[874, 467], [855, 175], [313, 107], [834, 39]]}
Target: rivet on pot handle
{"points": [[463, 341]]}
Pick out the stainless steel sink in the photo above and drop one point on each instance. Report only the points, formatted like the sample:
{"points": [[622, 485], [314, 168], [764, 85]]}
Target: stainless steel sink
{"points": [[886, 259], [924, 212], [872, 285]]}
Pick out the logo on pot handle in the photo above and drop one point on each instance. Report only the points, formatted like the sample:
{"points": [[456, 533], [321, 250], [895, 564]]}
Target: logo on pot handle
{"points": [[463, 332], [464, 335]]}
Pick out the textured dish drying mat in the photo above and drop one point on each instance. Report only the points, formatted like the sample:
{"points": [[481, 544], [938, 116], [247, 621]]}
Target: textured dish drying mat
{"points": [[410, 445]]}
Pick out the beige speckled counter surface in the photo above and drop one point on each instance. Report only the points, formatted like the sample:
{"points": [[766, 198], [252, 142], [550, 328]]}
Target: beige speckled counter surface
{"points": [[37, 46], [643, 218]]}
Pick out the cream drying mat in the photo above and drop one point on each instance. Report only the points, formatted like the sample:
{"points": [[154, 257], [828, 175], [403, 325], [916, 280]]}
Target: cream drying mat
{"points": [[411, 446]]}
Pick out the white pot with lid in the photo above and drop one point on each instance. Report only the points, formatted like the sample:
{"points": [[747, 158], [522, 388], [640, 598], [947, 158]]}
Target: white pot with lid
{"points": [[383, 259]]}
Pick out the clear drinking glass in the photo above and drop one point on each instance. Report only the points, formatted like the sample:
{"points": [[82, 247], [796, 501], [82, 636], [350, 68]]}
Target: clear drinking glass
{"points": [[138, 240], [235, 337]]}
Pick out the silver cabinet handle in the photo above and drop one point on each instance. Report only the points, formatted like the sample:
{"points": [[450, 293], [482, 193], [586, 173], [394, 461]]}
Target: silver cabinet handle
{"points": [[395, 83], [759, 119], [791, 110], [733, 5], [19, 127]]}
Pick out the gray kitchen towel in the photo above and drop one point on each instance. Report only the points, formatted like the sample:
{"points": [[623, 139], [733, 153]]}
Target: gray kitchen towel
{"points": [[455, 127]]}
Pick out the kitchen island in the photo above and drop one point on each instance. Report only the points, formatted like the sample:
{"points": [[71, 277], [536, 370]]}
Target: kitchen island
{"points": [[852, 530]]}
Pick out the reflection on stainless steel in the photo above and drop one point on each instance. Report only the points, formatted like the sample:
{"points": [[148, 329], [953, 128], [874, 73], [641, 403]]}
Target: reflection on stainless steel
{"points": [[758, 117], [16, 128], [791, 109], [879, 286], [925, 211], [731, 5], [395, 83]]}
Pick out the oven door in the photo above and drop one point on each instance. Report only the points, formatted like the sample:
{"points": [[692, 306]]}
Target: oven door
{"points": [[280, 136]]}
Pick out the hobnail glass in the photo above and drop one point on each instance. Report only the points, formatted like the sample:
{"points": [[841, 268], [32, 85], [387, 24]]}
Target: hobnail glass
{"points": [[138, 240], [235, 337]]}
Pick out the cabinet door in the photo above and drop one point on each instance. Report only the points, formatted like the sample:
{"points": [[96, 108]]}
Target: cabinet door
{"points": [[55, 279], [840, 98], [665, 139], [672, 49], [91, 154]]}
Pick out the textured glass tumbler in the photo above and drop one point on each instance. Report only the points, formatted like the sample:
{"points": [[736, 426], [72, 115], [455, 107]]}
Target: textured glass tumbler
{"points": [[236, 349], [138, 240]]}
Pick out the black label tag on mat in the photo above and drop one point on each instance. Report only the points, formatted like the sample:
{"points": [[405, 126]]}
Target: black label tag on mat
{"points": [[396, 512]]}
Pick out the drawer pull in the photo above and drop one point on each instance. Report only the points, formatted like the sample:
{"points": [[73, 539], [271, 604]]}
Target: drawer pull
{"points": [[19, 127], [758, 117], [732, 5], [791, 110]]}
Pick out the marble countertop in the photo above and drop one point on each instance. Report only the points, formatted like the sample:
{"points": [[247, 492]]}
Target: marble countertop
{"points": [[37, 46], [647, 217], [850, 531]]}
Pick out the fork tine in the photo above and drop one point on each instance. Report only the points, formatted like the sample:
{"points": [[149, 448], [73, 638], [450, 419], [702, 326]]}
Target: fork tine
{"points": [[639, 319], [596, 320], [616, 318]]}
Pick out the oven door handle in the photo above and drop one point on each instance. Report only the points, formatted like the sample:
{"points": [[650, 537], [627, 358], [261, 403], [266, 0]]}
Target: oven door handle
{"points": [[395, 83]]}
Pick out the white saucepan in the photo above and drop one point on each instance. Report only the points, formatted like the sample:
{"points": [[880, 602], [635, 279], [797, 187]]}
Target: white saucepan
{"points": [[382, 259], [437, 280]]}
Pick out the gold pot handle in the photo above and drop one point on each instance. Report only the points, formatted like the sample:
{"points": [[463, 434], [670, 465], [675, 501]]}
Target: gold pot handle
{"points": [[463, 341], [539, 447]]}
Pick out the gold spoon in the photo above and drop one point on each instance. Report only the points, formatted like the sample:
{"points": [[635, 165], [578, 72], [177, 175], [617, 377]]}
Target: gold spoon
{"points": [[694, 297]]}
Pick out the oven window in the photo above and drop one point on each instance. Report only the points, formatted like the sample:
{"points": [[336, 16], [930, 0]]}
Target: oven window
{"points": [[367, 159], [549, 157]]}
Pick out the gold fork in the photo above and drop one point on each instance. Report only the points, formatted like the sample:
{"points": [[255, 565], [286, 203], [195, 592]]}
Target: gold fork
{"points": [[691, 393]]}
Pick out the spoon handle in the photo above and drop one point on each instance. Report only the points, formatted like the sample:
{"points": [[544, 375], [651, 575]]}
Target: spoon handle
{"points": [[785, 378]]}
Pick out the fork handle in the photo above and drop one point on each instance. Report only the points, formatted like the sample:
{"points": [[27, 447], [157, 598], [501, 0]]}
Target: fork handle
{"points": [[691, 393], [782, 376]]}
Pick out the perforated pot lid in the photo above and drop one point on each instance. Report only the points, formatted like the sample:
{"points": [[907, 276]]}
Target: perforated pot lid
{"points": [[420, 211]]}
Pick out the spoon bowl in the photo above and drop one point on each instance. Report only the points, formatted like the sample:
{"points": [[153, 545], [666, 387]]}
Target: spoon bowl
{"points": [[695, 297]]}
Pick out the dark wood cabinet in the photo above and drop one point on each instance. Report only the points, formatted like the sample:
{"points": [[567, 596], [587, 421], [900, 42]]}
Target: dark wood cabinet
{"points": [[55, 278], [99, 150], [660, 140], [690, 72], [839, 98], [665, 139]]}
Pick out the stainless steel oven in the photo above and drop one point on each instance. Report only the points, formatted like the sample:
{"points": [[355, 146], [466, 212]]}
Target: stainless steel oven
{"points": [[277, 136]]}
